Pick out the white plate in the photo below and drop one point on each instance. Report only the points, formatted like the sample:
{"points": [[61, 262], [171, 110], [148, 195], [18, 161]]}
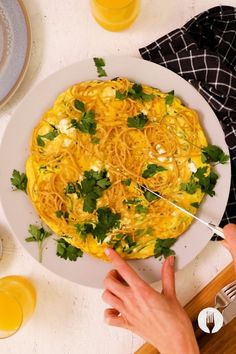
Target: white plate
{"points": [[15, 46], [14, 151]]}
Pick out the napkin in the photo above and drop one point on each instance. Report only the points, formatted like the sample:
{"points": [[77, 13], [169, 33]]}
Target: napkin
{"points": [[203, 52]]}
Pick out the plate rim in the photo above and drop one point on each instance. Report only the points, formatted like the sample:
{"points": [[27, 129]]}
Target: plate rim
{"points": [[27, 55]]}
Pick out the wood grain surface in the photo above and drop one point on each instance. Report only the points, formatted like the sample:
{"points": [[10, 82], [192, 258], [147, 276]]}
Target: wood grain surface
{"points": [[222, 342]]}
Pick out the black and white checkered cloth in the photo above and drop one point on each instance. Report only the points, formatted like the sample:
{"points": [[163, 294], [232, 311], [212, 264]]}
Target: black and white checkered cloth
{"points": [[203, 52]]}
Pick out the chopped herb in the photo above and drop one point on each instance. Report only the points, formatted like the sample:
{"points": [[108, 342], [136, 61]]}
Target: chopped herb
{"points": [[137, 121], [131, 244], [83, 230], [213, 153], [115, 242], [107, 220], [121, 95], [170, 97], [90, 202], [95, 140], [136, 93], [59, 213], [19, 180], [99, 62], [195, 205], [70, 188], [49, 136], [126, 182], [140, 209], [38, 234], [79, 105], [162, 247], [132, 201], [200, 180], [67, 251], [150, 196], [88, 124], [152, 169]]}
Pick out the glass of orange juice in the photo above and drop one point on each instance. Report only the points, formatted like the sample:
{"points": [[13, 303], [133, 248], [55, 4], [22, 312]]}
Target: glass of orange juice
{"points": [[17, 303], [115, 15]]}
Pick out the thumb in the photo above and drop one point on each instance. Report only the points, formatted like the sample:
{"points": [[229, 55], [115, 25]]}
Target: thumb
{"points": [[168, 277], [230, 238]]}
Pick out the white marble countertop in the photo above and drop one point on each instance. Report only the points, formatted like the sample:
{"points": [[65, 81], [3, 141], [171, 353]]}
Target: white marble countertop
{"points": [[69, 317]]}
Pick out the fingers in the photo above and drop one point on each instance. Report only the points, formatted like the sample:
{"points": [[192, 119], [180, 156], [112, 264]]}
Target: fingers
{"points": [[114, 283], [127, 273], [113, 301], [168, 277], [113, 318], [230, 237]]}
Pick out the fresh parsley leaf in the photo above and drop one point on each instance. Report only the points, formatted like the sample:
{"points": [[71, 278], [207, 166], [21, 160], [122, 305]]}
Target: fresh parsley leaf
{"points": [[170, 98], [213, 153], [162, 247], [190, 187], [136, 93], [79, 105], [83, 230], [90, 202], [195, 205], [130, 244], [49, 136], [126, 182], [70, 188], [137, 121], [140, 209], [199, 179], [152, 169], [107, 220], [88, 123], [67, 251], [121, 95], [59, 214], [149, 196], [38, 234], [132, 201], [95, 140], [19, 180], [99, 62]]}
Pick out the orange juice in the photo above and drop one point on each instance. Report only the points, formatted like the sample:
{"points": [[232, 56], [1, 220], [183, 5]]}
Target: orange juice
{"points": [[115, 15], [17, 303]]}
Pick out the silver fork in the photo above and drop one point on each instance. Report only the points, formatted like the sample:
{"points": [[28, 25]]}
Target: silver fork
{"points": [[210, 320], [225, 295]]}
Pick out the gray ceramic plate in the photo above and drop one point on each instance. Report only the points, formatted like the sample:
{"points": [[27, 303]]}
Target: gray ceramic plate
{"points": [[15, 45]]}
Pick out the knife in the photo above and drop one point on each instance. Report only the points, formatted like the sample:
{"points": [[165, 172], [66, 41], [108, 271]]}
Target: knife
{"points": [[216, 229], [229, 313]]}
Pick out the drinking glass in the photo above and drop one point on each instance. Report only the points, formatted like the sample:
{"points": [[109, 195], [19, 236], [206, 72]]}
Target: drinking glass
{"points": [[115, 15], [17, 303]]}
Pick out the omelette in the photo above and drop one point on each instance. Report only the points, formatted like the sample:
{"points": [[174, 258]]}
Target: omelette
{"points": [[93, 148]]}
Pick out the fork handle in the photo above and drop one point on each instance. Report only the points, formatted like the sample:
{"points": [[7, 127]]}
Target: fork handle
{"points": [[217, 230]]}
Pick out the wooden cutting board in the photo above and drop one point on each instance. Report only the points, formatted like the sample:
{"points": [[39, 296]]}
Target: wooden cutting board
{"points": [[222, 342]]}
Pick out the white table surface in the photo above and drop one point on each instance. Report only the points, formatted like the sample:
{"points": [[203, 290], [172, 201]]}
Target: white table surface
{"points": [[69, 317]]}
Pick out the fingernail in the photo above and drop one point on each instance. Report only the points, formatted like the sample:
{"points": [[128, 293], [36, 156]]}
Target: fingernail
{"points": [[107, 252], [172, 260]]}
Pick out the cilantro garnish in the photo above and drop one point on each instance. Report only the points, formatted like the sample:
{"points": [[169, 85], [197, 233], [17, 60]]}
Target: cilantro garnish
{"points": [[121, 95], [107, 220], [132, 201], [140, 209], [61, 213], [213, 153], [84, 229], [126, 182], [19, 180], [199, 179], [91, 188], [95, 140], [38, 234], [79, 105], [162, 247], [137, 121], [170, 98], [130, 244], [195, 205], [150, 196], [67, 251], [136, 93], [99, 62], [87, 124], [49, 136], [152, 169]]}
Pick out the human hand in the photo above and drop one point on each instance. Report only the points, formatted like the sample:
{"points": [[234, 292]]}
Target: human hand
{"points": [[230, 240], [136, 306]]}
